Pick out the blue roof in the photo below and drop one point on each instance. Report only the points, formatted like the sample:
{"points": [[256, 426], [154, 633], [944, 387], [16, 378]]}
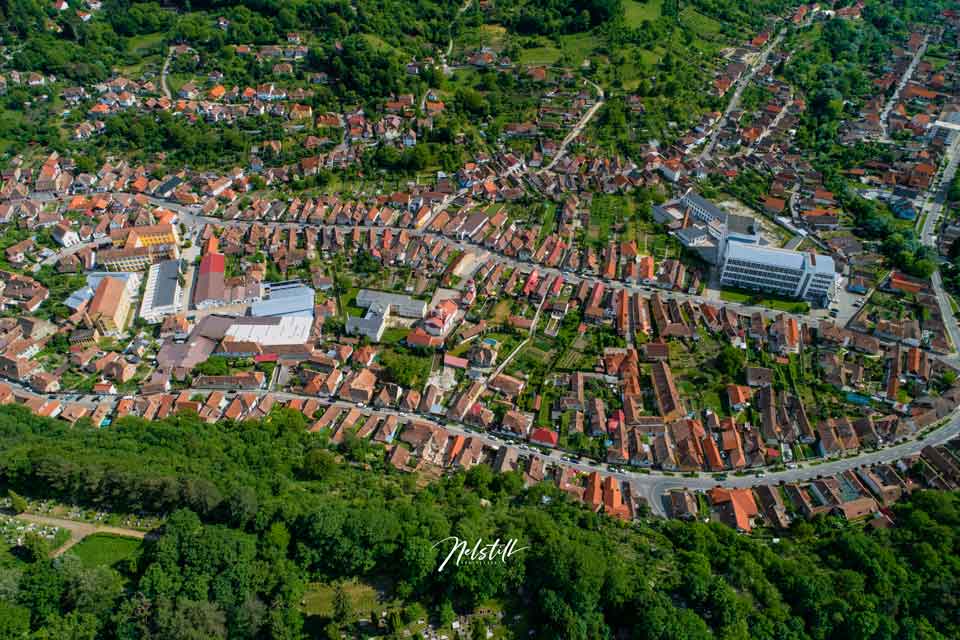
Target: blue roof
{"points": [[78, 297], [285, 299]]}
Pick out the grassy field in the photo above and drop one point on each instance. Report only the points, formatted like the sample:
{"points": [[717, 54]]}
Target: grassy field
{"points": [[761, 300], [493, 36], [548, 221], [605, 212], [318, 599], [176, 80], [576, 47], [699, 23], [500, 312], [377, 43], [540, 55], [937, 62], [102, 549], [144, 43], [635, 12]]}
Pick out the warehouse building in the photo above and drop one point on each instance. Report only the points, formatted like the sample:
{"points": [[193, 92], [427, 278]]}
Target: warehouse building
{"points": [[292, 298]]}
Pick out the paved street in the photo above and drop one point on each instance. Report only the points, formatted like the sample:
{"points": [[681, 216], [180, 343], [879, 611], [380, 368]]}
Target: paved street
{"points": [[907, 74], [652, 485], [742, 83], [164, 73], [577, 129], [933, 209]]}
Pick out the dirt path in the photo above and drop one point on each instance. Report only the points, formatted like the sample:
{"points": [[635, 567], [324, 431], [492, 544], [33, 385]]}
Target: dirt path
{"points": [[79, 530]]}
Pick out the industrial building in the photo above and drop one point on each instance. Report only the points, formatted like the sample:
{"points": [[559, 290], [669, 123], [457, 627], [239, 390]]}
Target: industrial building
{"points": [[398, 304], [210, 289], [292, 298], [163, 292]]}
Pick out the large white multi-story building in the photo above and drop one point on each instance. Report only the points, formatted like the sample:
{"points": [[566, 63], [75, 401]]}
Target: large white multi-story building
{"points": [[795, 274], [705, 228]]}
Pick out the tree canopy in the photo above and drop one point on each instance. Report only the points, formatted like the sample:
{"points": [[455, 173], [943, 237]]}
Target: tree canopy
{"points": [[261, 524]]}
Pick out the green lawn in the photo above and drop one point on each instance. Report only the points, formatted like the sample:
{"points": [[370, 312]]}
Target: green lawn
{"points": [[575, 46], [579, 45], [635, 12], [492, 35], [605, 212], [348, 303], [761, 300], [377, 43], [394, 335], [548, 221], [176, 80], [103, 549], [540, 55], [936, 62]]}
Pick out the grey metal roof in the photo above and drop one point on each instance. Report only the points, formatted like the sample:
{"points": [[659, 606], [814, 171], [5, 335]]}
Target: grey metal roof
{"points": [[784, 258], [78, 297], [368, 325], [165, 287], [401, 304]]}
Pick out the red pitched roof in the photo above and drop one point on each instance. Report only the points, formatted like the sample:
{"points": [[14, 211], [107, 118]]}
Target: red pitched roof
{"points": [[544, 436], [213, 262]]}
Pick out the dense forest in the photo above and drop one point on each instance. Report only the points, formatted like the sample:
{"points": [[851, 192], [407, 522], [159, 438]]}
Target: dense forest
{"points": [[261, 508]]}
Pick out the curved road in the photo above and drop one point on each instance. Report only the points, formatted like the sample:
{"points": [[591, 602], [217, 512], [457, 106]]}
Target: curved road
{"points": [[651, 485]]}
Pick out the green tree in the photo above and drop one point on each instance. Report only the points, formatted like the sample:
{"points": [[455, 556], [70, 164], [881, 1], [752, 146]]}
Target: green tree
{"points": [[17, 502], [731, 362], [319, 463], [14, 621], [342, 607], [72, 626]]}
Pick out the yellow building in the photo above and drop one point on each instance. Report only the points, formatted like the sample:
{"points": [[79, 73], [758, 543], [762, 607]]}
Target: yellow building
{"points": [[136, 248], [110, 306], [147, 236]]}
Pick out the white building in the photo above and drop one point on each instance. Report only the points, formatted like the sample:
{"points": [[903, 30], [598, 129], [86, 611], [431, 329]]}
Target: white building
{"points": [[163, 294], [65, 236], [794, 274], [705, 228]]}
